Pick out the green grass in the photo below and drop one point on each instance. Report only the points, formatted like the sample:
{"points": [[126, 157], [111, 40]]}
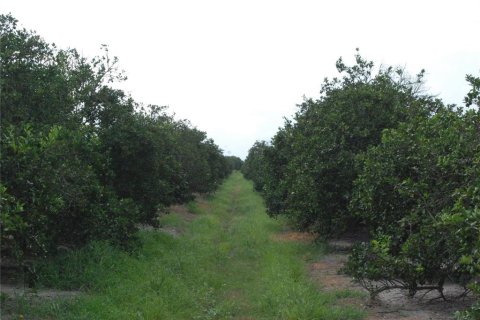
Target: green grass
{"points": [[224, 266]]}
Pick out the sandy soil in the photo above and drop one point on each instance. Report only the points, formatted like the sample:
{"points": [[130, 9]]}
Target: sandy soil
{"points": [[389, 305], [182, 211], [18, 290]]}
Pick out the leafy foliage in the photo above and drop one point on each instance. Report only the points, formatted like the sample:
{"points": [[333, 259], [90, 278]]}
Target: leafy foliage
{"points": [[309, 171], [375, 152], [54, 175], [234, 163], [419, 186], [253, 167], [82, 161]]}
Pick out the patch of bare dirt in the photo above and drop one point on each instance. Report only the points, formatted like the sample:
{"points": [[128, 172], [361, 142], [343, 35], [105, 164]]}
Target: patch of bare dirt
{"points": [[326, 273], [202, 202], [174, 232], [295, 236], [396, 304], [340, 245], [389, 305], [182, 211], [12, 291]]}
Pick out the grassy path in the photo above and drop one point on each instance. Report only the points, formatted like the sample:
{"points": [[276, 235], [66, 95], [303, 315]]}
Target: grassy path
{"points": [[225, 265]]}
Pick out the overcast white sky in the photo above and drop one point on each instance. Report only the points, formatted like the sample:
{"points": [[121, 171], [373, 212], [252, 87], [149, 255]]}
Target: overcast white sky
{"points": [[236, 68]]}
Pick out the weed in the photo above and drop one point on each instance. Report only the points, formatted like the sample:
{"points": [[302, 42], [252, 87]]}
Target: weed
{"points": [[226, 265]]}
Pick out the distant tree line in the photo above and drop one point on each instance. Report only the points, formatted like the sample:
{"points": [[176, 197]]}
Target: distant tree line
{"points": [[81, 160], [234, 162], [375, 152]]}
